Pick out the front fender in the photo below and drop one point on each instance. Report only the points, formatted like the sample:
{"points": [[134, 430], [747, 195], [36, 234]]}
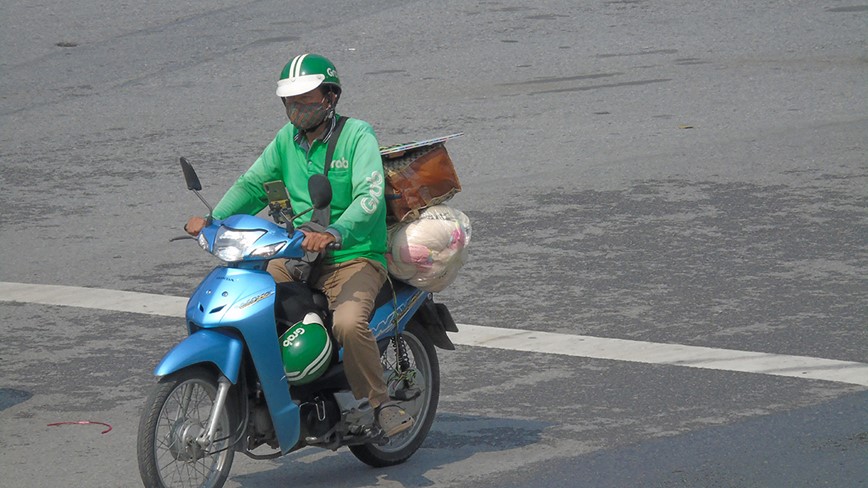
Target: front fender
{"points": [[220, 348]]}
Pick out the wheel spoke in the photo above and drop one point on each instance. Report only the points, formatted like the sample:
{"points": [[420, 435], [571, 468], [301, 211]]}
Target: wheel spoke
{"points": [[421, 371], [176, 457], [418, 406]]}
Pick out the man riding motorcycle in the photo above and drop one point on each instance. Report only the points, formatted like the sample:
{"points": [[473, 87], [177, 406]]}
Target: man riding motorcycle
{"points": [[352, 276]]}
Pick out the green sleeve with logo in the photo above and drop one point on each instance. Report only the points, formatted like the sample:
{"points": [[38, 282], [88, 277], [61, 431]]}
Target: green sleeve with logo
{"points": [[358, 209]]}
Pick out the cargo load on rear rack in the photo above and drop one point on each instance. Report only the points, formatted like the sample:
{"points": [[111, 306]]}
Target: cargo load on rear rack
{"points": [[428, 252], [427, 240], [418, 175]]}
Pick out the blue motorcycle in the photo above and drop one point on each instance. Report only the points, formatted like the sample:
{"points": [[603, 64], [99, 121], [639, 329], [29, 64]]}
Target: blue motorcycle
{"points": [[228, 387]]}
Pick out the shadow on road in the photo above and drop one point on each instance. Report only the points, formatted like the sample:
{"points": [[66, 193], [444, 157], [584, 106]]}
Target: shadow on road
{"points": [[453, 438], [10, 397]]}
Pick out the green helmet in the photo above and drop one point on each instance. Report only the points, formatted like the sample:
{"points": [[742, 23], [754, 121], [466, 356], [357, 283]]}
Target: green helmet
{"points": [[306, 72], [306, 350]]}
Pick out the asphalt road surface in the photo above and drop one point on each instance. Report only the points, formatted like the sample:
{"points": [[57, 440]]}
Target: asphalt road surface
{"points": [[665, 172]]}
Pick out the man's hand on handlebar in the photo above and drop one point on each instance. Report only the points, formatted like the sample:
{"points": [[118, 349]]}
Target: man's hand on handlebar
{"points": [[316, 241], [195, 225]]}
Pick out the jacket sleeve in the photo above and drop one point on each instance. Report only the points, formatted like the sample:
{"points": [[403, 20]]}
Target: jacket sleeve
{"points": [[247, 196], [368, 207]]}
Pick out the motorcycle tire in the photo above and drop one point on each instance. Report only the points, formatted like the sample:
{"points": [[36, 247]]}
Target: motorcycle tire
{"points": [[176, 412], [423, 359]]}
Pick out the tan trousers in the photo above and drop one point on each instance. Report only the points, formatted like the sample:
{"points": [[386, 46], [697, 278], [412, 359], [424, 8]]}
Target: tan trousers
{"points": [[351, 289]]}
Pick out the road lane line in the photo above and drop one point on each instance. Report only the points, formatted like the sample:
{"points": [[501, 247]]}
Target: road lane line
{"points": [[668, 354], [849, 372], [98, 298]]}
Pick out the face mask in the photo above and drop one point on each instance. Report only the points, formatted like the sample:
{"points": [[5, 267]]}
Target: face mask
{"points": [[306, 116]]}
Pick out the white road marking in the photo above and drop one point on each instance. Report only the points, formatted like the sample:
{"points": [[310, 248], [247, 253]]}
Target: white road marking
{"points": [[669, 354], [849, 372], [97, 298]]}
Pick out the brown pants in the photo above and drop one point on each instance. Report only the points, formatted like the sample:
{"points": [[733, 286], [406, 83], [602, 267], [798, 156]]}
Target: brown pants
{"points": [[351, 289]]}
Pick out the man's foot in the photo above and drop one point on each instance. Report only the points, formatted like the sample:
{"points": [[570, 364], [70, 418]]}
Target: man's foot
{"points": [[393, 419]]}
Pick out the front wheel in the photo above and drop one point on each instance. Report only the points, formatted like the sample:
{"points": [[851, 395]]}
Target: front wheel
{"points": [[424, 374], [176, 414]]}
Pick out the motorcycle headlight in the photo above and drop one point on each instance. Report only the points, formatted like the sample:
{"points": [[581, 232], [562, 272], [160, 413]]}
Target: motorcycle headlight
{"points": [[267, 251], [231, 245]]}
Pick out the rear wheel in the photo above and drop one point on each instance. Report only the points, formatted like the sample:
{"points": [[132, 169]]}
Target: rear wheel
{"points": [[424, 372], [176, 414]]}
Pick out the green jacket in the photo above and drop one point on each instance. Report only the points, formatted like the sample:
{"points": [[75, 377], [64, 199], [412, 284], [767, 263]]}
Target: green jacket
{"points": [[358, 209]]}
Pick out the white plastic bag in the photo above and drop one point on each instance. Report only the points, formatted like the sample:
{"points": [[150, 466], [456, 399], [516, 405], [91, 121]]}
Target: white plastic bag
{"points": [[428, 252]]}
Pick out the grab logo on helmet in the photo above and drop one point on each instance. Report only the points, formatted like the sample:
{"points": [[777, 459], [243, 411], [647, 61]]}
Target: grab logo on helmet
{"points": [[305, 350], [292, 337]]}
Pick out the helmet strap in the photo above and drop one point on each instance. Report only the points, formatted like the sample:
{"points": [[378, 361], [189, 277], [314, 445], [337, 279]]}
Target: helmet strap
{"points": [[330, 98], [329, 119]]}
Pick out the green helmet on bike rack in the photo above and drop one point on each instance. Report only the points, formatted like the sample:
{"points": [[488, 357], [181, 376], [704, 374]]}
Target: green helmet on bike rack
{"points": [[305, 73], [306, 350]]}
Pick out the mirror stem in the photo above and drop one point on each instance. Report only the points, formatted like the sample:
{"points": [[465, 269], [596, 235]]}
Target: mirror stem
{"points": [[210, 208]]}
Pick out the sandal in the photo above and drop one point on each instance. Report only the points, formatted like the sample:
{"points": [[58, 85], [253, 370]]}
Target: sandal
{"points": [[393, 419]]}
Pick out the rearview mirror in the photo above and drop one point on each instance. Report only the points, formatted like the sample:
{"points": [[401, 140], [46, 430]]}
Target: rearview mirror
{"points": [[190, 176], [320, 191]]}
